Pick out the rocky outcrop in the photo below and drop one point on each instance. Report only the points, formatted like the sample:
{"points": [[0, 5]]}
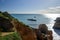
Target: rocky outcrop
{"points": [[5, 25], [43, 28], [43, 33], [57, 23], [5, 22], [50, 37], [38, 34]]}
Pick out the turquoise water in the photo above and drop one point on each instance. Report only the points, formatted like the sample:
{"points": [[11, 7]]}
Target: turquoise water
{"points": [[47, 19]]}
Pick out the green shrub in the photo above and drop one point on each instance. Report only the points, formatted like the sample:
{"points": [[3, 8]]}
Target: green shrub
{"points": [[13, 36]]}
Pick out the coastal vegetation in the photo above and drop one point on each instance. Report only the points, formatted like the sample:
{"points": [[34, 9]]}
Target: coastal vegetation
{"points": [[5, 22], [13, 36], [7, 31], [6, 15]]}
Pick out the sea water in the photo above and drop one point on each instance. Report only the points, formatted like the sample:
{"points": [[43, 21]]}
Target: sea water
{"points": [[47, 19]]}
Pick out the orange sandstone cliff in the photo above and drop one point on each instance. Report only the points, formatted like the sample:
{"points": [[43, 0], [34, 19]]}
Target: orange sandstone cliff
{"points": [[25, 31]]}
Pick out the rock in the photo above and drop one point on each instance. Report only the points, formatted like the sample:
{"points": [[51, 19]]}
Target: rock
{"points": [[43, 28], [38, 34], [50, 37], [57, 23], [45, 33], [42, 35]]}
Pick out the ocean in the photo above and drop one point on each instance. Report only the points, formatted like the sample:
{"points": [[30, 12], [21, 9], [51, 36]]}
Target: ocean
{"points": [[47, 19]]}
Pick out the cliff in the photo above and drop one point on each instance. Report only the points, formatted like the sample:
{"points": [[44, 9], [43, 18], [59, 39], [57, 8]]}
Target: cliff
{"points": [[25, 31], [9, 23], [5, 22]]}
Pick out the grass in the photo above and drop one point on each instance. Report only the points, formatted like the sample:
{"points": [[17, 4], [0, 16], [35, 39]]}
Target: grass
{"points": [[13, 36]]}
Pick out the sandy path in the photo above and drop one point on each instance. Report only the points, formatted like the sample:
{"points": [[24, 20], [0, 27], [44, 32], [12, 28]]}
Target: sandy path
{"points": [[6, 33]]}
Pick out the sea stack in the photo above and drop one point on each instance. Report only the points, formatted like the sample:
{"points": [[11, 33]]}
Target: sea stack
{"points": [[57, 23]]}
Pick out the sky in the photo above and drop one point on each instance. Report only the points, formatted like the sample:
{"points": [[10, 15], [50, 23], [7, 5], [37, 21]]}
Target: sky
{"points": [[30, 6]]}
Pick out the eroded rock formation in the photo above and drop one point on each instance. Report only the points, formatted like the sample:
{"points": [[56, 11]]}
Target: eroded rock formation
{"points": [[43, 28], [57, 23], [43, 33]]}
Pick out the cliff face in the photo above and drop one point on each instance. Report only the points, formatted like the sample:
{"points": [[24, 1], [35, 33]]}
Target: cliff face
{"points": [[25, 32], [56, 26], [5, 25], [5, 22]]}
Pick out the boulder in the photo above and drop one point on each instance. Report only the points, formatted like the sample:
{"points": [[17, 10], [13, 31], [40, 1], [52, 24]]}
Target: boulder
{"points": [[41, 35], [43, 28]]}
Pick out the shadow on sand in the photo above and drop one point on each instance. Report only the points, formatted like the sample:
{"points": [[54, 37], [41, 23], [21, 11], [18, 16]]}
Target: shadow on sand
{"points": [[57, 31]]}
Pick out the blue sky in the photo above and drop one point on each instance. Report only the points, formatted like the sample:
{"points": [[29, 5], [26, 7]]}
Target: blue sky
{"points": [[29, 6]]}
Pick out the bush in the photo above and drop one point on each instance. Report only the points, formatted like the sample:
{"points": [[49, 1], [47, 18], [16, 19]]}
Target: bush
{"points": [[13, 36]]}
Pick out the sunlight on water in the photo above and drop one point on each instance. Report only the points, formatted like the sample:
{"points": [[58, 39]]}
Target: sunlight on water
{"points": [[56, 33], [52, 16]]}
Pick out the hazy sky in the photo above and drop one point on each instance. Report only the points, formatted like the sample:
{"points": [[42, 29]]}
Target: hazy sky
{"points": [[30, 6]]}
